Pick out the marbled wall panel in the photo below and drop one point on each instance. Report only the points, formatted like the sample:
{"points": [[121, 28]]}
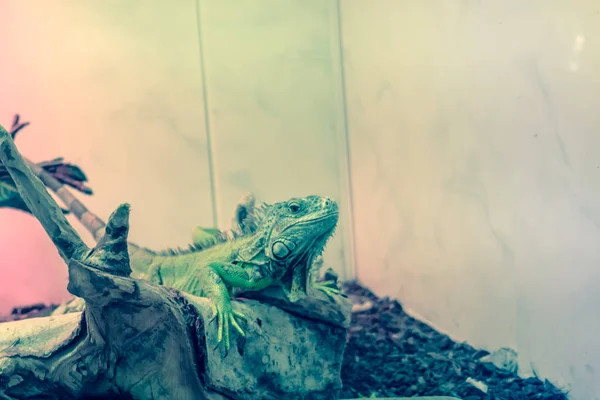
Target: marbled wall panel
{"points": [[474, 137]]}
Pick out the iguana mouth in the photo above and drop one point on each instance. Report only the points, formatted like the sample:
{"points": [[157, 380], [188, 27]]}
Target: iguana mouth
{"points": [[313, 220]]}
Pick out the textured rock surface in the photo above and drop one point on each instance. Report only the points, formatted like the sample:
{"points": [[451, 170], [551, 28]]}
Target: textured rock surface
{"points": [[277, 359], [38, 337], [283, 355]]}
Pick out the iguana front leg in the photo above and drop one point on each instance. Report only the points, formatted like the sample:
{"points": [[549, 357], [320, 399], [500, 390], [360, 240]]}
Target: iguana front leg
{"points": [[329, 283], [215, 280]]}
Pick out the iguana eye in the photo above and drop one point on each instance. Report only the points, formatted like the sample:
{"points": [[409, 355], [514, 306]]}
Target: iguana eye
{"points": [[294, 207]]}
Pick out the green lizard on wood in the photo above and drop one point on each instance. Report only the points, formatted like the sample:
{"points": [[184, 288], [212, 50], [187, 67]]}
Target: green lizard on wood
{"points": [[279, 249]]}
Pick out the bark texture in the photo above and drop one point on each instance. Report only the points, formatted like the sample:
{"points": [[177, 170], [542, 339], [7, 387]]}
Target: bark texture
{"points": [[138, 340]]}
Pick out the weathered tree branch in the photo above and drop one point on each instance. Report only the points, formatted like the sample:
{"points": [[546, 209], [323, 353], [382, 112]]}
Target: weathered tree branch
{"points": [[67, 241], [145, 341], [134, 338]]}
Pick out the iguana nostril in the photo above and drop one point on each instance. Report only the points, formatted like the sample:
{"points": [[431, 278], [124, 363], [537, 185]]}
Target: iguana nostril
{"points": [[280, 250]]}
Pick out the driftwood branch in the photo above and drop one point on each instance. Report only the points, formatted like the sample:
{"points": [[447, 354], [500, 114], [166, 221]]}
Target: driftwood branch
{"points": [[134, 337], [68, 174], [143, 341], [67, 241], [53, 173], [17, 126]]}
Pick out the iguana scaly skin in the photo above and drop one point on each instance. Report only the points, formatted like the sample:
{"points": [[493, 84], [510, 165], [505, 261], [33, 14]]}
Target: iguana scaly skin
{"points": [[286, 239]]}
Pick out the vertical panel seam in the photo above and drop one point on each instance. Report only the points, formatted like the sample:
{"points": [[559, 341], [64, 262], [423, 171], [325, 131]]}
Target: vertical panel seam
{"points": [[207, 130], [346, 150]]}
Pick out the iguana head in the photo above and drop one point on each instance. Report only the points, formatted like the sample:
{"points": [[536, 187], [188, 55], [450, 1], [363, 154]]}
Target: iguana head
{"points": [[296, 232]]}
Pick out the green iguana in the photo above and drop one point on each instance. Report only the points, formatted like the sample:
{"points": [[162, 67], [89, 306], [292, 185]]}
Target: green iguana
{"points": [[67, 174], [279, 249]]}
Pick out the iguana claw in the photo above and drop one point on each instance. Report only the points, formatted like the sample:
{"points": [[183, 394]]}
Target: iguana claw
{"points": [[329, 288], [225, 315]]}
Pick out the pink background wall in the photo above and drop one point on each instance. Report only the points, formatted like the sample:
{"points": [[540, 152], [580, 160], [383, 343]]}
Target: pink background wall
{"points": [[30, 269]]}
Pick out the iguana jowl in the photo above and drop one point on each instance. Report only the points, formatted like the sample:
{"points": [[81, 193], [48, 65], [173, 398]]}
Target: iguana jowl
{"points": [[287, 238]]}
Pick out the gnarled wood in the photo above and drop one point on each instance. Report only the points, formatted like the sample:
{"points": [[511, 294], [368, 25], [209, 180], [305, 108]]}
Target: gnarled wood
{"points": [[143, 341]]}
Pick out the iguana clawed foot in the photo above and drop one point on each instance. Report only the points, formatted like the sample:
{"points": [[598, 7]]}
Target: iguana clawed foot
{"points": [[226, 319], [329, 284], [329, 288]]}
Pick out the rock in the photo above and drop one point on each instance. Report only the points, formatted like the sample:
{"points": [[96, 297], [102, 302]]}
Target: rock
{"points": [[275, 360], [360, 307], [505, 359], [477, 384]]}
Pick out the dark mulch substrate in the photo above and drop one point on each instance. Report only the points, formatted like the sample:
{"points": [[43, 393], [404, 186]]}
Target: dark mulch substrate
{"points": [[392, 354], [32, 311]]}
